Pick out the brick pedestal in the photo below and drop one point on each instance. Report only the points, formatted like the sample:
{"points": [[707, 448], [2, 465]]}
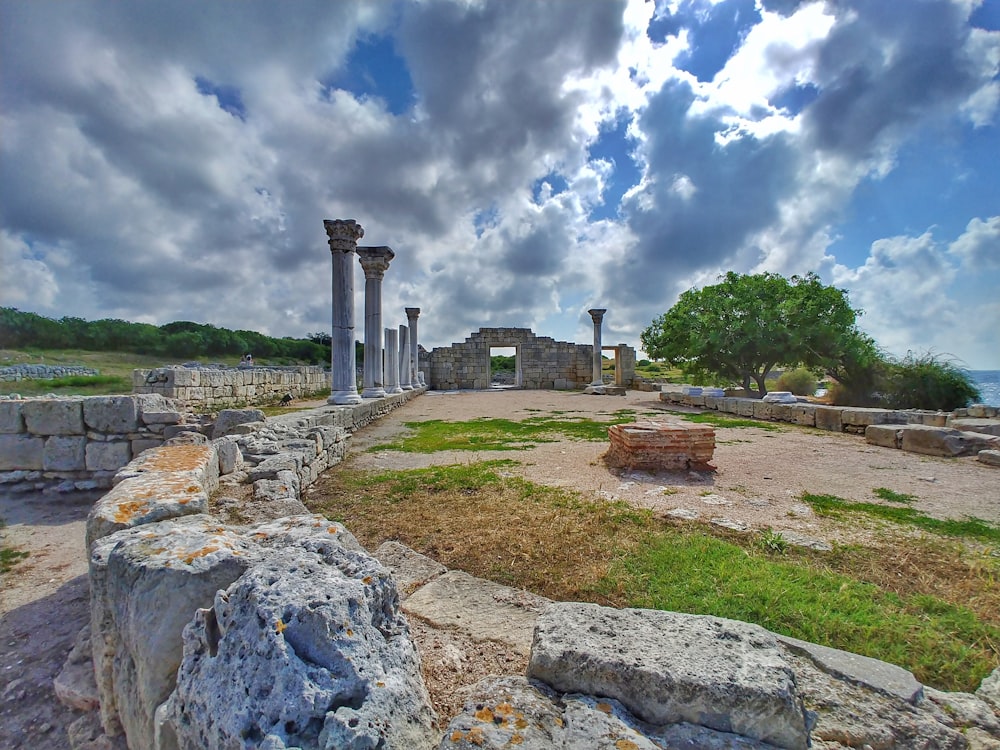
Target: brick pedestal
{"points": [[655, 446]]}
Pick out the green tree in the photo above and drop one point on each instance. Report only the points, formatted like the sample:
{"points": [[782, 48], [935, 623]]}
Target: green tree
{"points": [[747, 324]]}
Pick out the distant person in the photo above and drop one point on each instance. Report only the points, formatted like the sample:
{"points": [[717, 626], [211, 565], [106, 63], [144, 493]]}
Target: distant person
{"points": [[249, 359]]}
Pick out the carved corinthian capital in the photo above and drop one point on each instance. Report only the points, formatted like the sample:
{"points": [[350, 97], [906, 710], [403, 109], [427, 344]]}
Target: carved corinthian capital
{"points": [[344, 234]]}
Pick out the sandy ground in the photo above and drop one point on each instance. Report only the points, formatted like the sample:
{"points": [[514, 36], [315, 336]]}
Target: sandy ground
{"points": [[759, 480]]}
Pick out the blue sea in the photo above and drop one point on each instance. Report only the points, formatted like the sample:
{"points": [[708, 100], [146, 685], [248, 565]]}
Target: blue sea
{"points": [[988, 383]]}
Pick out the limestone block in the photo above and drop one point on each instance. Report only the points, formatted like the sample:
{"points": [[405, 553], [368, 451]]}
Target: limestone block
{"points": [[146, 584], [144, 444], [230, 418], [107, 456], [829, 418], [862, 417], [745, 406], [942, 441], [722, 674], [989, 689], [983, 411], [11, 420], [53, 417], [990, 458], [410, 569], [114, 414], [888, 436], [780, 397], [21, 452], [970, 424], [74, 686], [165, 482], [803, 414], [230, 457], [185, 377], [764, 409], [319, 641], [65, 453]]}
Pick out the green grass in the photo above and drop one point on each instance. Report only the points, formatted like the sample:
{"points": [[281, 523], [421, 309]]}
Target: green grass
{"points": [[497, 434], [943, 644], [9, 557], [892, 496], [720, 420], [832, 506]]}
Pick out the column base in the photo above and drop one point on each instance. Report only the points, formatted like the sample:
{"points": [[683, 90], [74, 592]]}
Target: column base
{"points": [[407, 387], [373, 393], [597, 390], [344, 398], [393, 390]]}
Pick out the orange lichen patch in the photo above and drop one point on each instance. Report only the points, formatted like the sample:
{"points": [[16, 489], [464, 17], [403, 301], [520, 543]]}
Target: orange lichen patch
{"points": [[333, 530], [603, 707], [350, 632], [175, 458], [521, 723], [125, 512], [559, 722], [516, 739], [626, 745], [367, 580], [280, 626], [475, 736], [456, 736], [504, 709], [380, 684], [206, 550], [484, 714]]}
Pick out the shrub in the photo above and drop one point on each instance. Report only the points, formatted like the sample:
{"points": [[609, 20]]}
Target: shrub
{"points": [[800, 381], [928, 381]]}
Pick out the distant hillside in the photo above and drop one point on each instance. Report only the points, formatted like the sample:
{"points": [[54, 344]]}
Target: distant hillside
{"points": [[182, 340]]}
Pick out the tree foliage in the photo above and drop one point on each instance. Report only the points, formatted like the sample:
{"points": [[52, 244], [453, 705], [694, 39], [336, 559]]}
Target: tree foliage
{"points": [[747, 324], [180, 339]]}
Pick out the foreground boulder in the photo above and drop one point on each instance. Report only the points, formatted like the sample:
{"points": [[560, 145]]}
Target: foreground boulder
{"points": [[668, 668], [306, 650]]}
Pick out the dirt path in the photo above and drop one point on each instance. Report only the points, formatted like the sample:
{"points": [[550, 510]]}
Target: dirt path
{"points": [[761, 475]]}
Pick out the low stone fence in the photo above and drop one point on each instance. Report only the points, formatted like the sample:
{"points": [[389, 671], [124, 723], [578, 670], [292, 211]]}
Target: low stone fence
{"points": [[77, 443], [963, 432], [15, 373], [211, 388]]}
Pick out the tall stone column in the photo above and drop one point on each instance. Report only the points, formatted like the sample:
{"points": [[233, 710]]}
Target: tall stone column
{"points": [[404, 359], [374, 261], [343, 236], [391, 362], [597, 386], [416, 379]]}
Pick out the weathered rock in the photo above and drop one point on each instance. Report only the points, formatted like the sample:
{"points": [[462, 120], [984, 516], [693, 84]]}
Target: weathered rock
{"points": [[887, 436], [969, 424], [829, 418], [989, 688], [990, 458], [941, 441], [513, 712], [21, 452], [53, 416], [666, 668], [115, 414], [230, 457], [11, 419], [146, 584], [65, 453], [74, 685], [318, 641], [482, 609], [780, 397], [966, 710], [410, 569], [230, 418], [109, 456], [165, 482]]}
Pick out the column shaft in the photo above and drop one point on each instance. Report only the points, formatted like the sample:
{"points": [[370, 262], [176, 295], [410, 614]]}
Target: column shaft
{"points": [[404, 359], [597, 315], [416, 377], [392, 362], [343, 237], [374, 261]]}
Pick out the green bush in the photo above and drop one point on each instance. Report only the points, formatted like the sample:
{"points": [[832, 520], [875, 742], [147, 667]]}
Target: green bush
{"points": [[927, 381], [800, 381]]}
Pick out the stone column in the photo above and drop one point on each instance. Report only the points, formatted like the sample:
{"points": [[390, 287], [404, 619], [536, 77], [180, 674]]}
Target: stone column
{"points": [[404, 359], [391, 362], [343, 236], [416, 377], [597, 386], [374, 261]]}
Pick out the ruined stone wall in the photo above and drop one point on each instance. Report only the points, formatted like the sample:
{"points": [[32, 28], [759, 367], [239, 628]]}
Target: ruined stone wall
{"points": [[209, 388], [543, 362], [77, 443], [16, 373]]}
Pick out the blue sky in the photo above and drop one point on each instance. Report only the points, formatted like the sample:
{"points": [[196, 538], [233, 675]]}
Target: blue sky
{"points": [[526, 161]]}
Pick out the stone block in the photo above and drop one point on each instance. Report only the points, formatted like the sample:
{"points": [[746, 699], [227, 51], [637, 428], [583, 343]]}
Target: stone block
{"points": [[161, 417], [973, 424], [829, 418], [764, 409], [11, 420], [144, 444], [65, 453], [943, 441], [53, 416], [721, 674], [230, 418], [331, 656], [230, 457], [21, 452], [656, 446], [745, 407], [108, 456], [989, 457], [410, 569], [803, 414], [862, 417], [885, 435], [114, 414]]}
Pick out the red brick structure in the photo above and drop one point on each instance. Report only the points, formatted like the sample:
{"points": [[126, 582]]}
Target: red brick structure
{"points": [[655, 446]]}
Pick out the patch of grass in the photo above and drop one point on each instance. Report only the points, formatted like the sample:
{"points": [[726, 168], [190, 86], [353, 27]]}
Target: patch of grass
{"points": [[898, 603], [497, 434], [891, 496], [9, 557], [969, 527], [721, 420], [772, 542]]}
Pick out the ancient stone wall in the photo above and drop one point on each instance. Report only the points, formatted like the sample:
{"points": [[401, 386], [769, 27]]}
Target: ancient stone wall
{"points": [[209, 388], [541, 362], [16, 373], [77, 443]]}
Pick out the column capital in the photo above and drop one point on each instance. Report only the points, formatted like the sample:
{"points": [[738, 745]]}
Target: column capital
{"points": [[411, 312], [343, 234], [597, 314], [375, 260]]}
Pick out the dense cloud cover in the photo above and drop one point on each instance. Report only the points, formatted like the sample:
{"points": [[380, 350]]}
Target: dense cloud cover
{"points": [[526, 161]]}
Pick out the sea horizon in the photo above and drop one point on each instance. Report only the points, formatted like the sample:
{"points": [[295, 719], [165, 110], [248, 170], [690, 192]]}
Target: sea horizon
{"points": [[988, 383]]}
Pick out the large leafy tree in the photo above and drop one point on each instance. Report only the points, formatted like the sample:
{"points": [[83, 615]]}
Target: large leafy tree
{"points": [[747, 324]]}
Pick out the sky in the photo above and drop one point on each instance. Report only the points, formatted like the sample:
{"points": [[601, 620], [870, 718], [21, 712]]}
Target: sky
{"points": [[525, 160]]}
